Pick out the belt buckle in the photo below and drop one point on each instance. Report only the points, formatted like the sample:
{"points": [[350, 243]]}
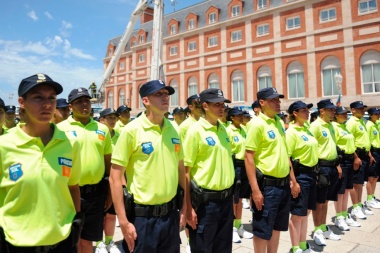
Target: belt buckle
{"points": [[163, 210], [224, 194]]}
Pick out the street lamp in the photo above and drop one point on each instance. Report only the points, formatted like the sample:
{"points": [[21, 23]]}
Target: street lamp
{"points": [[338, 81], [11, 98]]}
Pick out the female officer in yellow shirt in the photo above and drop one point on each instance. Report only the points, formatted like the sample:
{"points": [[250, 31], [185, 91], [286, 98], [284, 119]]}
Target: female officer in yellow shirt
{"points": [[303, 151], [39, 175]]}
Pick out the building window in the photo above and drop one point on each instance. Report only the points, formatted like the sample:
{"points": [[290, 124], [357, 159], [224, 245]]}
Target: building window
{"points": [[293, 23], [212, 18], [191, 24], [367, 6], [213, 81], [296, 83], [193, 86], [261, 4], [235, 11], [192, 46], [141, 57], [110, 99], [327, 15], [370, 71], [174, 97], [236, 36], [142, 39], [121, 65], [213, 41], [173, 50], [330, 66], [264, 77], [262, 30], [237, 79], [121, 97], [173, 29]]}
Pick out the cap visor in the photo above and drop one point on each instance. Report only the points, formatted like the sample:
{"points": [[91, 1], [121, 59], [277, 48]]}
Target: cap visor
{"points": [[276, 95], [56, 86], [309, 106]]}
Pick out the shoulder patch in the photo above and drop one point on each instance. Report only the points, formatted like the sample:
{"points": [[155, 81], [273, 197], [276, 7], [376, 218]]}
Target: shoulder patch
{"points": [[324, 133], [147, 148], [210, 141], [15, 172], [236, 139], [271, 134], [304, 137]]}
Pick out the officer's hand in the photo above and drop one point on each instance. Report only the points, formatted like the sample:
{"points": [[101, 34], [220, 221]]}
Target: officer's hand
{"points": [[295, 189], [108, 201], [182, 219], [258, 199], [192, 218], [357, 163], [371, 160], [130, 235], [339, 169]]}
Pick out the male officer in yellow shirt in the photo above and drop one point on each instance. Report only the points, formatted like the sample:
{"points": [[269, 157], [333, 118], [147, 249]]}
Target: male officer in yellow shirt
{"points": [[195, 108], [149, 151], [96, 149], [363, 159], [10, 117], [178, 115], [210, 168], [330, 171], [374, 169], [2, 117], [268, 170], [62, 111], [124, 117]]}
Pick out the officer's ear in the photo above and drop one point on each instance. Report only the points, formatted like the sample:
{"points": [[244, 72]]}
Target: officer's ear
{"points": [[145, 101], [70, 107], [21, 101]]}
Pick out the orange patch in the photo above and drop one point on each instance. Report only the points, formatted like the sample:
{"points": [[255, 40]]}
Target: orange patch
{"points": [[66, 171], [101, 137], [177, 147]]}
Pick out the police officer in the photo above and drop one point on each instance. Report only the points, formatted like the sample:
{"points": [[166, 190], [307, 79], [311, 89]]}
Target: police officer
{"points": [[209, 167], [195, 108], [178, 115], [269, 174], [374, 169], [256, 107], [124, 117], [237, 137], [330, 170], [2, 117], [38, 162], [149, 151], [346, 144], [96, 149], [62, 111], [363, 159], [303, 151], [10, 117]]}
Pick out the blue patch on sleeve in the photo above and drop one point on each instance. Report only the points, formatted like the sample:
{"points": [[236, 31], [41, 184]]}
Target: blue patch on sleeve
{"points": [[271, 134], [15, 172], [210, 141], [147, 148]]}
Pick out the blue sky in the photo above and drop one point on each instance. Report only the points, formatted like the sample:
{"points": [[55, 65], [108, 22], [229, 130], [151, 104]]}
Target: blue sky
{"points": [[65, 39]]}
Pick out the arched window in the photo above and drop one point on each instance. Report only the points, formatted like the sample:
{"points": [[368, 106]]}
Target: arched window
{"points": [[110, 99], [330, 66], [237, 79], [296, 83], [121, 97], [174, 97], [370, 71], [264, 77], [213, 81], [193, 85]]}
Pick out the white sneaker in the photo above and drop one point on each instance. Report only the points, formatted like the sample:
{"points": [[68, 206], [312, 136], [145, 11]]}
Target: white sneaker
{"points": [[244, 234], [329, 234], [299, 250], [246, 204], [318, 238], [373, 204], [235, 235], [308, 249], [112, 248], [341, 223], [358, 213], [101, 248], [351, 222], [367, 211], [188, 249]]}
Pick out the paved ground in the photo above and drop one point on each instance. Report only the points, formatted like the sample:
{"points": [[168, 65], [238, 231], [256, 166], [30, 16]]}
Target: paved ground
{"points": [[358, 240]]}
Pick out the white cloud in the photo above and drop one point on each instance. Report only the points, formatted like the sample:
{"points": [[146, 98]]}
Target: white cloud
{"points": [[32, 14], [54, 42], [48, 15], [65, 28]]}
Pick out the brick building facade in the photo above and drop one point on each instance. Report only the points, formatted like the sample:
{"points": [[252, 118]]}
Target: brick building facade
{"points": [[297, 46]]}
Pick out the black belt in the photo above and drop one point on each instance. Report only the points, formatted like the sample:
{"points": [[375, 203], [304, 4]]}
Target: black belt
{"points": [[217, 195], [155, 210], [377, 150], [327, 163], [92, 188], [273, 181], [348, 156], [307, 169], [239, 163], [362, 153]]}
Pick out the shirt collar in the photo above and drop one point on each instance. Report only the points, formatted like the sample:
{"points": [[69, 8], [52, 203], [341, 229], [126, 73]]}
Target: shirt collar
{"points": [[24, 138]]}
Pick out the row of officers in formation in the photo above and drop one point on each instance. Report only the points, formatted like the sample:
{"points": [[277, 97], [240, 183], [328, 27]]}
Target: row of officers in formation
{"points": [[63, 179]]}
